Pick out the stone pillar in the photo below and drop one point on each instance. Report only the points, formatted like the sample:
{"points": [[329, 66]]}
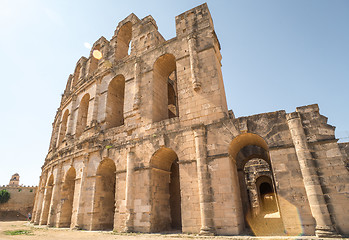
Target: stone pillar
{"points": [[129, 190], [38, 204], [71, 117], [95, 103], [55, 199], [43, 210], [193, 61], [205, 198], [78, 219], [36, 198], [318, 207], [137, 78]]}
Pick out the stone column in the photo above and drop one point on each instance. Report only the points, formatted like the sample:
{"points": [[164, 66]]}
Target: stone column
{"points": [[137, 78], [193, 61], [38, 204], [43, 221], [205, 197], [95, 103], [318, 207], [129, 190], [36, 198], [71, 117], [79, 217], [55, 199]]}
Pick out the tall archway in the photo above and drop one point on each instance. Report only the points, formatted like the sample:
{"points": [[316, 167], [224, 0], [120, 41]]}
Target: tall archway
{"points": [[104, 200], [115, 102], [47, 201], [63, 126], [165, 190], [94, 60], [82, 115], [67, 198], [76, 75], [250, 154], [266, 194], [123, 41], [164, 88]]}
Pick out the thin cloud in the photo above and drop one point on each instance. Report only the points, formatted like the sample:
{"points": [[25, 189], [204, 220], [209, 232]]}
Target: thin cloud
{"points": [[87, 45]]}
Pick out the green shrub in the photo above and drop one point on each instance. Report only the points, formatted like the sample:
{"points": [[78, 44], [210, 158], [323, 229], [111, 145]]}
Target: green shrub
{"points": [[19, 232], [4, 196]]}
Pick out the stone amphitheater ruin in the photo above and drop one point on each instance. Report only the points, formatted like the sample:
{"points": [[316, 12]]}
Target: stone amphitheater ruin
{"points": [[143, 141]]}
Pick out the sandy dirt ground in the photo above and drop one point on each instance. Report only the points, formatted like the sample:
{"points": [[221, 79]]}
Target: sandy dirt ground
{"points": [[44, 233]]}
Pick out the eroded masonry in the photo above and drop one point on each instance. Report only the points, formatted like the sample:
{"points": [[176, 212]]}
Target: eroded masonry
{"points": [[143, 141]]}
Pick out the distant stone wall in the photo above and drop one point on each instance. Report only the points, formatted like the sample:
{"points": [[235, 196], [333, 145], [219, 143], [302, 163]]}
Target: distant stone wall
{"points": [[21, 200]]}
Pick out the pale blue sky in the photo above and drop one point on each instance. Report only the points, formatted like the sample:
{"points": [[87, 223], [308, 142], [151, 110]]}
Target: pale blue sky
{"points": [[276, 55]]}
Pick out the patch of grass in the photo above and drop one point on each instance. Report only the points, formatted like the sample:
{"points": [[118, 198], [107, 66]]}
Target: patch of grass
{"points": [[19, 232]]}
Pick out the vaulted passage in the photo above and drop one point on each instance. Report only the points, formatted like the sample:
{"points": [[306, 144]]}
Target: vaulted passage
{"points": [[164, 88], [47, 201], [82, 115], [250, 152], [67, 198], [104, 201], [267, 198], [165, 189], [115, 102]]}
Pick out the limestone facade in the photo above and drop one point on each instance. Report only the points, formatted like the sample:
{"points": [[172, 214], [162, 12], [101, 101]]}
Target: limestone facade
{"points": [[143, 141]]}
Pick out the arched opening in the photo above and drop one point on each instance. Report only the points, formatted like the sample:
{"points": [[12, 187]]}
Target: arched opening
{"points": [[82, 115], [165, 190], [47, 201], [115, 102], [94, 59], [54, 134], [172, 95], [63, 126], [123, 40], [76, 75], [267, 198], [67, 197], [104, 200], [164, 88], [250, 152]]}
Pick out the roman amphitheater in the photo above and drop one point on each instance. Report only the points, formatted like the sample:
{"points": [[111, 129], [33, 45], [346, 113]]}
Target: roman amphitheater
{"points": [[143, 141]]}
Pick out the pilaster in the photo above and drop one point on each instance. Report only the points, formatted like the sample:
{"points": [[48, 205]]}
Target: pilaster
{"points": [[318, 207], [205, 196]]}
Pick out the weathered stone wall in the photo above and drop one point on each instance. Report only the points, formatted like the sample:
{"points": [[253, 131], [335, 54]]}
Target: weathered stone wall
{"points": [[21, 200], [164, 104], [344, 147]]}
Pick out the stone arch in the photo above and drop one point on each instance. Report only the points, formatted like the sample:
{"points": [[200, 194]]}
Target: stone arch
{"points": [[165, 190], [67, 197], [266, 194], [104, 200], [76, 75], [242, 149], [82, 115], [47, 200], [54, 135], [115, 102], [123, 40], [164, 88], [63, 129], [93, 60]]}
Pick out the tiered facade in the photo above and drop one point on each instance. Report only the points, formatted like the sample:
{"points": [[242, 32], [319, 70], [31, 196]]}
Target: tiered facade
{"points": [[143, 141]]}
